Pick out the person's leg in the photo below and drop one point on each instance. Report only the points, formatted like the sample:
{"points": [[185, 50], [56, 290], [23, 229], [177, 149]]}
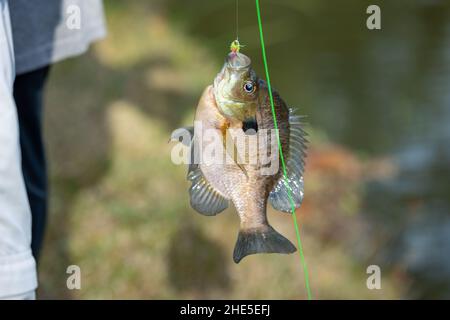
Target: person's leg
{"points": [[17, 265], [28, 94]]}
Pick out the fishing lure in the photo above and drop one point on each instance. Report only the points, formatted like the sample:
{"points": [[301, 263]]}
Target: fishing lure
{"points": [[236, 46]]}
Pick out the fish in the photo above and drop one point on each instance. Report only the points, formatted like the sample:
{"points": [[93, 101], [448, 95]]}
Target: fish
{"points": [[239, 101]]}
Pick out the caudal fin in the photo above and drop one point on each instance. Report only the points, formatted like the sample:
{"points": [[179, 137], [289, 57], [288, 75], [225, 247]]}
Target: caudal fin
{"points": [[261, 240]]}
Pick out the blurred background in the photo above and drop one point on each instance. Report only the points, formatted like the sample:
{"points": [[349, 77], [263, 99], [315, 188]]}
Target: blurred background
{"points": [[377, 173]]}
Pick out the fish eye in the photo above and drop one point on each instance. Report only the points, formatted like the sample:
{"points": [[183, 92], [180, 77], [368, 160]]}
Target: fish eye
{"points": [[249, 87]]}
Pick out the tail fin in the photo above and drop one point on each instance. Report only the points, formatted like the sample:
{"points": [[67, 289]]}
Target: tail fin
{"points": [[261, 240]]}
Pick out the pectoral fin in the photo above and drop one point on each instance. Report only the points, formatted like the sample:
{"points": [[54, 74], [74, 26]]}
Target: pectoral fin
{"points": [[231, 148], [232, 151]]}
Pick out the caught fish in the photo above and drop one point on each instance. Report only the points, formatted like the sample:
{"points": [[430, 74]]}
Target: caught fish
{"points": [[239, 101]]}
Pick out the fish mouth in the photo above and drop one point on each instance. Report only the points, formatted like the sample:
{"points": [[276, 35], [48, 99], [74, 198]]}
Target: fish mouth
{"points": [[235, 64], [236, 60]]}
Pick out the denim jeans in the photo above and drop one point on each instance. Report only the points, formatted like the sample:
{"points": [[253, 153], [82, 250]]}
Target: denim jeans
{"points": [[28, 94]]}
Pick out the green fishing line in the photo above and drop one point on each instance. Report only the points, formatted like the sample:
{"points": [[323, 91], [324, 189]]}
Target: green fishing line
{"points": [[297, 230]]}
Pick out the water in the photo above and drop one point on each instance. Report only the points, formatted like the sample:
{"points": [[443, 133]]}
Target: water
{"points": [[370, 90]]}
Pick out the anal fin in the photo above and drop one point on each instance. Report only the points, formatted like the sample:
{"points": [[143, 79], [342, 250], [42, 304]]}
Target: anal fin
{"points": [[204, 198]]}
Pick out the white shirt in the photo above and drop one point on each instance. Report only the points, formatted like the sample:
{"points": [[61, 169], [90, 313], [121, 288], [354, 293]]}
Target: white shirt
{"points": [[17, 266]]}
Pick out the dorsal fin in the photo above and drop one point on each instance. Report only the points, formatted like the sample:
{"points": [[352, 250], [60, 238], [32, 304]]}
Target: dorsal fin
{"points": [[278, 197]]}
